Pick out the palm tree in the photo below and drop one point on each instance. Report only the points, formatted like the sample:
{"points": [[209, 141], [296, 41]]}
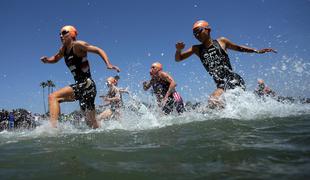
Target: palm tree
{"points": [[43, 85], [49, 83], [52, 86]]}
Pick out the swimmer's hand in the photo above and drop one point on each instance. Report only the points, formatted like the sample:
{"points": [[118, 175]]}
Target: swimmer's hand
{"points": [[262, 51], [44, 59], [110, 66], [179, 46], [145, 85]]}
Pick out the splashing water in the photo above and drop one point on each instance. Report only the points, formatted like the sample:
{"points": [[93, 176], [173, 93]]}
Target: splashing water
{"points": [[240, 105], [250, 137]]}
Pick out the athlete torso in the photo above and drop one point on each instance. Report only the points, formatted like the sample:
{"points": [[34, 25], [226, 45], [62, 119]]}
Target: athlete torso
{"points": [[78, 66], [215, 60], [160, 87], [217, 63], [115, 92]]}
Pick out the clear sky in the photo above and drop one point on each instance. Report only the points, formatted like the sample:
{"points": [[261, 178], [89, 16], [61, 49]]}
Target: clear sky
{"points": [[136, 33]]}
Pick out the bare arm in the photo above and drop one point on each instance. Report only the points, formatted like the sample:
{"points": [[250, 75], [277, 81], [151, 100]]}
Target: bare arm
{"points": [[83, 46], [114, 99], [124, 91], [179, 55], [168, 78], [55, 58], [227, 44]]}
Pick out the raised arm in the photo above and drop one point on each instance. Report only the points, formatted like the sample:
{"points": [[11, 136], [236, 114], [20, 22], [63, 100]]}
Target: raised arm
{"points": [[227, 44], [83, 46], [179, 55], [55, 58]]}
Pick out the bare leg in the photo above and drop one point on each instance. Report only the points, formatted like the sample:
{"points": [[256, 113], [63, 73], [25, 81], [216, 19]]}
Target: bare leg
{"points": [[105, 114], [90, 117], [62, 95], [214, 100]]}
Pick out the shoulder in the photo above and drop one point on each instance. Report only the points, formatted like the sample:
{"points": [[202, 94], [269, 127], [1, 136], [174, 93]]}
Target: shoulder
{"points": [[223, 41], [80, 46], [79, 43], [61, 50], [164, 75], [196, 47]]}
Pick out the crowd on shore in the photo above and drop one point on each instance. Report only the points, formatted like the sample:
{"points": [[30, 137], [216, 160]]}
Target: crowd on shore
{"points": [[16, 118]]}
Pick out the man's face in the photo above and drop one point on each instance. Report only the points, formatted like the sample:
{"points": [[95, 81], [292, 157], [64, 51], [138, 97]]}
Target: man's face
{"points": [[201, 34], [109, 83], [64, 36], [153, 71]]}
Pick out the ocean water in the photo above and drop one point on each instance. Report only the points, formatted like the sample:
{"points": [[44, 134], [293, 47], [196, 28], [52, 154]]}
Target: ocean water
{"points": [[249, 139]]}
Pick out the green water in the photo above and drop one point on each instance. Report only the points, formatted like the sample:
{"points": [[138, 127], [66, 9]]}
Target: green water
{"points": [[273, 148]]}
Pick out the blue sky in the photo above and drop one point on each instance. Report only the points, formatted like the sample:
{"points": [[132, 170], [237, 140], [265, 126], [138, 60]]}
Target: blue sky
{"points": [[136, 33]]}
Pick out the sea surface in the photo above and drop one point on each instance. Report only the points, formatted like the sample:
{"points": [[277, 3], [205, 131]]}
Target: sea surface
{"points": [[249, 139]]}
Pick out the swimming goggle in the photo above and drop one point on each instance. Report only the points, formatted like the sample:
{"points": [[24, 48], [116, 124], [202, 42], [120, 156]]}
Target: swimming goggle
{"points": [[63, 33], [198, 30]]}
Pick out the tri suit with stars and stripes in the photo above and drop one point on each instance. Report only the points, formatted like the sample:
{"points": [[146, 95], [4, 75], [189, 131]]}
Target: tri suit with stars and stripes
{"points": [[160, 88]]}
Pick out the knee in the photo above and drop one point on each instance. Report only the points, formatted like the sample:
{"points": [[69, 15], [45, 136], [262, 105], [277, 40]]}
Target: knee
{"points": [[52, 97]]}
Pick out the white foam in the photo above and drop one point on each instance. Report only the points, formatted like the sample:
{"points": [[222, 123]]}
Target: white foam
{"points": [[247, 106], [239, 105]]}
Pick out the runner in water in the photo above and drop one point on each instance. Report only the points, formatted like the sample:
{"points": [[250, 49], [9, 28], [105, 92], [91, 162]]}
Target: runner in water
{"points": [[164, 89], [113, 98], [263, 90], [84, 89], [214, 57]]}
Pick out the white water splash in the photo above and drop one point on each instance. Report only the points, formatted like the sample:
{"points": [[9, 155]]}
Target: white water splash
{"points": [[239, 105], [247, 106]]}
